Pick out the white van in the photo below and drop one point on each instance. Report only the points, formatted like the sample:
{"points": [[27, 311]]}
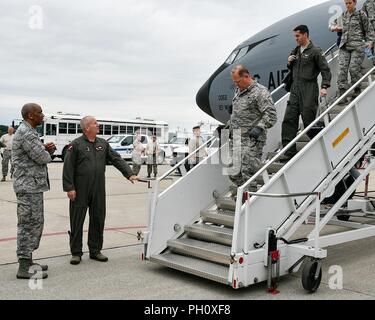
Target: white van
{"points": [[123, 144]]}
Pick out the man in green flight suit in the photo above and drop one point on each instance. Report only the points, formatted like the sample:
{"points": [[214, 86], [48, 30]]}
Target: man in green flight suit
{"points": [[306, 62], [84, 181]]}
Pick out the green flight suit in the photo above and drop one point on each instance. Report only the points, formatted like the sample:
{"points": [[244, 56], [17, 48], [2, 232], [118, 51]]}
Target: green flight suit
{"points": [[84, 171], [304, 93]]}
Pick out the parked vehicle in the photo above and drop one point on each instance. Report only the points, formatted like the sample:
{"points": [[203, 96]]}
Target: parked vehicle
{"points": [[123, 144], [182, 151]]}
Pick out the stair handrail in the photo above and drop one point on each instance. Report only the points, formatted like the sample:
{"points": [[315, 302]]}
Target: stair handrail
{"points": [[186, 158]]}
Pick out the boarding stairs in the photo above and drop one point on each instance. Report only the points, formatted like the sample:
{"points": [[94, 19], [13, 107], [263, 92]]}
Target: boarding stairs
{"points": [[195, 227]]}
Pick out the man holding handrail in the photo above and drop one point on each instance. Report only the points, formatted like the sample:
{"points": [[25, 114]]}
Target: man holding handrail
{"points": [[357, 36], [253, 113]]}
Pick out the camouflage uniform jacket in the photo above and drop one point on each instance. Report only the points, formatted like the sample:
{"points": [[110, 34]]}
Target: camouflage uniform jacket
{"points": [[30, 161], [369, 9], [356, 29], [253, 107]]}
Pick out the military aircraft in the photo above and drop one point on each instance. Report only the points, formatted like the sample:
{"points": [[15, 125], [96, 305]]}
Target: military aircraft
{"points": [[265, 55]]}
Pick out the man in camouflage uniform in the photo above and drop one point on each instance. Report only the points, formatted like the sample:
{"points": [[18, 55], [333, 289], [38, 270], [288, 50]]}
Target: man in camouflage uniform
{"points": [[305, 62], [30, 158], [253, 113], [7, 140], [357, 34]]}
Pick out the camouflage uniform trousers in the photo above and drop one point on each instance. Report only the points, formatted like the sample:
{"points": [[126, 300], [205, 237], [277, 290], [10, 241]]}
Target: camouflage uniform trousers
{"points": [[30, 223], [349, 60], [152, 165], [7, 157], [249, 162]]}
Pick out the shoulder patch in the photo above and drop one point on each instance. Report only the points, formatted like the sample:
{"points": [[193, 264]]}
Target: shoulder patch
{"points": [[70, 147]]}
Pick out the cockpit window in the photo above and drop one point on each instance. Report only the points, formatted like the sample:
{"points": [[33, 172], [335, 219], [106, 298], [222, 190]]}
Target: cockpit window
{"points": [[242, 52], [232, 57], [237, 54]]}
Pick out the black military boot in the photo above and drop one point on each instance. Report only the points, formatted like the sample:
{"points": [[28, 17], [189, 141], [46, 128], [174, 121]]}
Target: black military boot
{"points": [[285, 158], [3, 179], [356, 93], [24, 270], [75, 260], [37, 266]]}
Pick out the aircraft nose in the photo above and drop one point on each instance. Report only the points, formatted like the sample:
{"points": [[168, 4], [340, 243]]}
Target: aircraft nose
{"points": [[203, 98]]}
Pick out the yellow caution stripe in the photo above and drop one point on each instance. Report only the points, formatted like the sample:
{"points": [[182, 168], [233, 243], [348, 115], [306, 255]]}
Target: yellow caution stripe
{"points": [[340, 138]]}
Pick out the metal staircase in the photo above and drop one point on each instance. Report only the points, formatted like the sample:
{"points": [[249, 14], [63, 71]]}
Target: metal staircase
{"points": [[196, 228]]}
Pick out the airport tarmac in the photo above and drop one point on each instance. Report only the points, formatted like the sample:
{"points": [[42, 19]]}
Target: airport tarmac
{"points": [[125, 276]]}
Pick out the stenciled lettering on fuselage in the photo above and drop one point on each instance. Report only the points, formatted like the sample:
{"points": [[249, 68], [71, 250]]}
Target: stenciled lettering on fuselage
{"points": [[275, 79]]}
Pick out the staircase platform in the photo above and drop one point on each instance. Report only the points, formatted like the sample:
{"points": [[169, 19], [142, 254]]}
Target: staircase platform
{"points": [[197, 267]]}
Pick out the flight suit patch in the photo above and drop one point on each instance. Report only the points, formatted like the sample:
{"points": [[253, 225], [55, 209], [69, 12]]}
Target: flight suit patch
{"points": [[99, 148], [70, 147]]}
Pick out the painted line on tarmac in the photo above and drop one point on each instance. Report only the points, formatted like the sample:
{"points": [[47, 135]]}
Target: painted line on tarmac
{"points": [[66, 232]]}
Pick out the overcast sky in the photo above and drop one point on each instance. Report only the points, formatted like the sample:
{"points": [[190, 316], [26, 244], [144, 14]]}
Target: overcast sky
{"points": [[123, 58]]}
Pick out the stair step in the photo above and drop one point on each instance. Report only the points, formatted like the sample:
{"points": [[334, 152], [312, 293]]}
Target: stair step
{"points": [[201, 268], [260, 180], [343, 106], [225, 218], [338, 108], [226, 204], [300, 145], [333, 115], [210, 233], [275, 167], [304, 138], [271, 155], [203, 250]]}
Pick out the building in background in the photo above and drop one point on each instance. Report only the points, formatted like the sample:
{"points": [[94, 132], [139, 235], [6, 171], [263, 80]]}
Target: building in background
{"points": [[63, 128]]}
